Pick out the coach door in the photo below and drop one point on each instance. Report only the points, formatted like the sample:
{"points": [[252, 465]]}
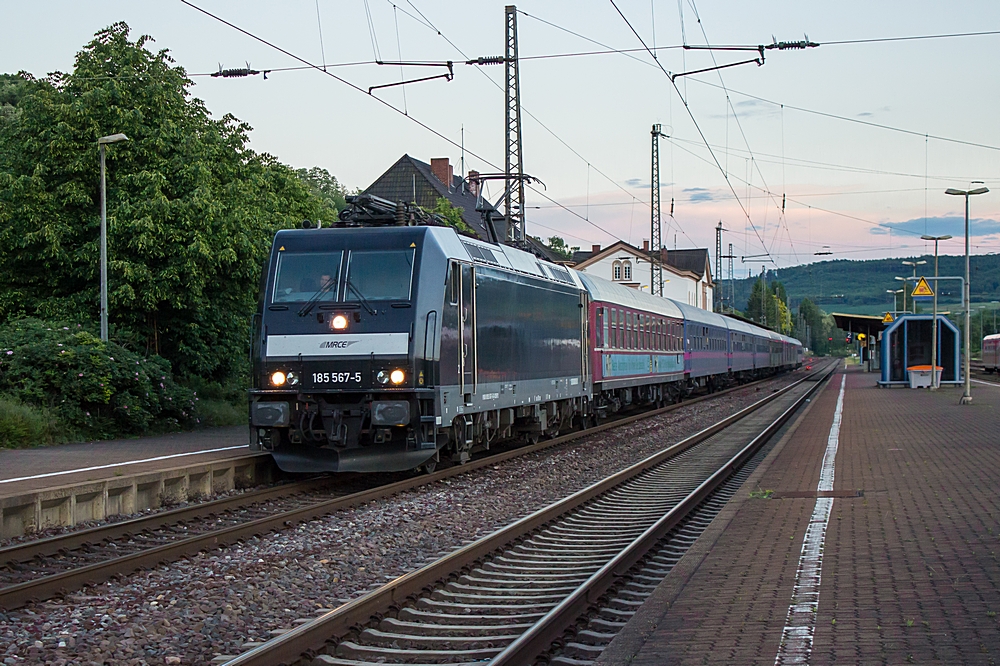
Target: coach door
{"points": [[467, 313]]}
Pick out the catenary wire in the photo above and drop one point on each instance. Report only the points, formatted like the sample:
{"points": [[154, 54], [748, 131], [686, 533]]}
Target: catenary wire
{"points": [[694, 120], [388, 105]]}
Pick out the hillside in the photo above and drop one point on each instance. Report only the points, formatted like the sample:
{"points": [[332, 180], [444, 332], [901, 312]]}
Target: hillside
{"points": [[860, 287]]}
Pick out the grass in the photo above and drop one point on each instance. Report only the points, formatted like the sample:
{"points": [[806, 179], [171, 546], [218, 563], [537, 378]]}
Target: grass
{"points": [[761, 494], [218, 412], [25, 425]]}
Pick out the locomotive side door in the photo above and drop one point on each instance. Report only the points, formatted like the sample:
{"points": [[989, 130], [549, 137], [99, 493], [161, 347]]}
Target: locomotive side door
{"points": [[467, 324]]}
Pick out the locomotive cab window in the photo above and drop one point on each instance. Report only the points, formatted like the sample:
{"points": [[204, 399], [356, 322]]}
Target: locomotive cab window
{"points": [[380, 275], [300, 276]]}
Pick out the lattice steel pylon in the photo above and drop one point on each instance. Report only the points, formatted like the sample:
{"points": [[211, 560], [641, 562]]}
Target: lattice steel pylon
{"points": [[514, 168], [655, 232]]}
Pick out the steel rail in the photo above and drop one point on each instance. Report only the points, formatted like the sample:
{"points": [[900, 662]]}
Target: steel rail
{"points": [[28, 550], [537, 640], [309, 638], [16, 596]]}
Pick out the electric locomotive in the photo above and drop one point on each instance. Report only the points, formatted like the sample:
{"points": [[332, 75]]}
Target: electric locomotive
{"points": [[383, 348]]}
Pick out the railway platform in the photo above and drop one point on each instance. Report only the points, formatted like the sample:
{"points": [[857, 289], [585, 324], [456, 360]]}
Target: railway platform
{"points": [[70, 483], [869, 535]]}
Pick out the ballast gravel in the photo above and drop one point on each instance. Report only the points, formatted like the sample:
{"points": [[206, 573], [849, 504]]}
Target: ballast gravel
{"points": [[189, 612]]}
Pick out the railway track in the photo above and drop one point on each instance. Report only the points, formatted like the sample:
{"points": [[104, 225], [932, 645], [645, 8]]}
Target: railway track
{"points": [[588, 560], [41, 569]]}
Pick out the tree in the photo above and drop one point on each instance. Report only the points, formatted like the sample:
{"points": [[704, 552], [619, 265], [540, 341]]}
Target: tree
{"points": [[559, 246], [327, 189], [767, 306], [452, 217], [191, 208]]}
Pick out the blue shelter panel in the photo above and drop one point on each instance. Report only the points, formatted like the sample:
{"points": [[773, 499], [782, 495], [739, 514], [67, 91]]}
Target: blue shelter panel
{"points": [[907, 342]]}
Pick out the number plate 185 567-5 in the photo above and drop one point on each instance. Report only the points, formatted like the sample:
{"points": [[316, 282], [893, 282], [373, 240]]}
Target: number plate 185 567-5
{"points": [[349, 378]]}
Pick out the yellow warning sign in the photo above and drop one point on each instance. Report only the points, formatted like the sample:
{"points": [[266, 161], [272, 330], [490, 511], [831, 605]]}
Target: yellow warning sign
{"points": [[413, 244], [281, 248], [922, 289], [887, 319]]}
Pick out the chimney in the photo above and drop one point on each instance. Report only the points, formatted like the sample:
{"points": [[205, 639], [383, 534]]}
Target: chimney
{"points": [[474, 183], [594, 249], [645, 246], [442, 170]]}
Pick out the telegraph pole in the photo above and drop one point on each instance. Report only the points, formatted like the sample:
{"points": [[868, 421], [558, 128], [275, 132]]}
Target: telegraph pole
{"points": [[514, 169], [655, 234]]}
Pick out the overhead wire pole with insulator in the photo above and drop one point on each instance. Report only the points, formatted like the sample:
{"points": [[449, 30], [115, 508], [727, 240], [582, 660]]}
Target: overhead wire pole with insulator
{"points": [[655, 232], [514, 168]]}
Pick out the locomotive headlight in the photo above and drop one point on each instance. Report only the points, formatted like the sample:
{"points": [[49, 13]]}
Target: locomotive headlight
{"points": [[339, 323], [278, 378], [382, 377], [397, 376], [292, 378]]}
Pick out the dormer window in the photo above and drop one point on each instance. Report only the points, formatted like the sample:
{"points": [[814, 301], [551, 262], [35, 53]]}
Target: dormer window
{"points": [[617, 271], [627, 267]]}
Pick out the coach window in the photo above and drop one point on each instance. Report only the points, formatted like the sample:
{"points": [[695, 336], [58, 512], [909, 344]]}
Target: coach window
{"points": [[602, 331]]}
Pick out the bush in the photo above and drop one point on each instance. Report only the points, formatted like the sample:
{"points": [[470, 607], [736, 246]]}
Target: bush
{"points": [[98, 389], [24, 425]]}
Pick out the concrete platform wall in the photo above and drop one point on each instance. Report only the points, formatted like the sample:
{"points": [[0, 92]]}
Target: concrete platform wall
{"points": [[72, 504]]}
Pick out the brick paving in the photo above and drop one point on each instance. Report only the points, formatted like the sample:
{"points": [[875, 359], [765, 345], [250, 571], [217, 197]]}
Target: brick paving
{"points": [[910, 569]]}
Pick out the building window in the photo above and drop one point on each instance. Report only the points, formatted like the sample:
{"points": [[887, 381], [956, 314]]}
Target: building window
{"points": [[617, 271], [628, 271]]}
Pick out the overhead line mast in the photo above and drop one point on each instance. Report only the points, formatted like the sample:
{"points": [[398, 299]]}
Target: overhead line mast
{"points": [[655, 233], [514, 169]]}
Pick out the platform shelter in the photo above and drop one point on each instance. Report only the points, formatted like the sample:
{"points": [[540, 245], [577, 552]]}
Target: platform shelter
{"points": [[866, 330], [907, 342]]}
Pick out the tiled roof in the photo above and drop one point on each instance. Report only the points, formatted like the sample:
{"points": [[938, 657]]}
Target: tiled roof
{"points": [[695, 260], [411, 180]]}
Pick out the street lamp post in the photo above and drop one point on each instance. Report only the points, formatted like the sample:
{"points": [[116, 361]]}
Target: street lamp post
{"points": [[102, 142], [934, 325], [895, 312], [903, 280], [914, 264], [967, 396]]}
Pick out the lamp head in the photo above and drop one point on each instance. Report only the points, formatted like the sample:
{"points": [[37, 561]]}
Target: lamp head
{"points": [[112, 138], [959, 193], [979, 190], [935, 238]]}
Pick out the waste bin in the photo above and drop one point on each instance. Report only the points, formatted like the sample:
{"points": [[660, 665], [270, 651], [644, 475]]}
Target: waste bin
{"points": [[920, 376]]}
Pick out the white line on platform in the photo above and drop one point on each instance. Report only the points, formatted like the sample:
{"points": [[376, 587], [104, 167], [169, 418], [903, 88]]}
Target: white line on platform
{"points": [[800, 624], [120, 464], [980, 381]]}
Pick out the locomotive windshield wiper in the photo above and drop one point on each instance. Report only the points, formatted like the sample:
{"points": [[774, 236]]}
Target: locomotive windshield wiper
{"points": [[311, 303], [361, 297]]}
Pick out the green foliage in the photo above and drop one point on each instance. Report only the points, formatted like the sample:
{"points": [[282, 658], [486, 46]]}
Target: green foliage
{"points": [[191, 209], [452, 216], [26, 425], [767, 307], [327, 189], [559, 246], [96, 389]]}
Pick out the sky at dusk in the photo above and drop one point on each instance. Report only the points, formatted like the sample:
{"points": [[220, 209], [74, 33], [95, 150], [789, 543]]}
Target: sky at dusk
{"points": [[845, 148]]}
